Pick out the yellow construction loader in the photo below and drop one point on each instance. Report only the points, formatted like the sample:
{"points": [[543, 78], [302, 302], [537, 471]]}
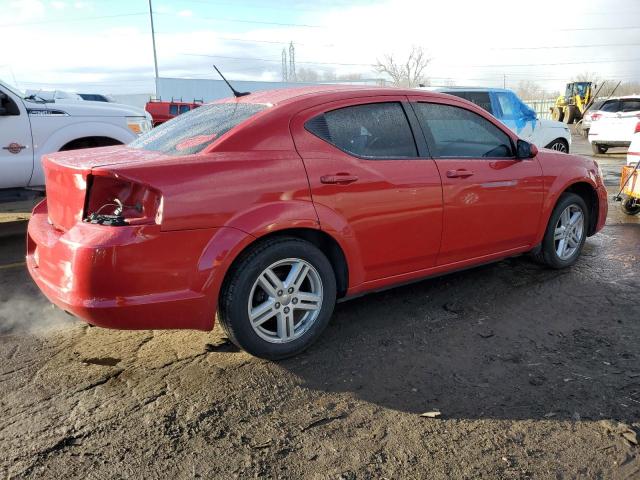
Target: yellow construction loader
{"points": [[571, 106]]}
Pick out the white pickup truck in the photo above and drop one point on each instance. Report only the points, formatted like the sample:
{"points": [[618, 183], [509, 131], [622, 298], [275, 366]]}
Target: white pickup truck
{"points": [[30, 127]]}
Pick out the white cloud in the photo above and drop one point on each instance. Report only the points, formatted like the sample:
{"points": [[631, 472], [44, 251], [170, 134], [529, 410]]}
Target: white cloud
{"points": [[23, 11], [58, 5], [461, 37]]}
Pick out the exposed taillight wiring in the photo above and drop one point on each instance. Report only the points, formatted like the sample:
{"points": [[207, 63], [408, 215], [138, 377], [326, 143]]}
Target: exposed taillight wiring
{"points": [[116, 201]]}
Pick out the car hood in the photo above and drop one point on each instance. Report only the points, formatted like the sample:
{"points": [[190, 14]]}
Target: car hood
{"points": [[89, 109]]}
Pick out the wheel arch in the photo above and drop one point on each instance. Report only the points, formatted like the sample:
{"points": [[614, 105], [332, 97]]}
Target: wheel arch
{"points": [[90, 142], [561, 139], [590, 197], [322, 240]]}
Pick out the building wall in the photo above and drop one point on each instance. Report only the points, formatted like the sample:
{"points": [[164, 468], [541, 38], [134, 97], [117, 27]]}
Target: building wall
{"points": [[138, 100]]}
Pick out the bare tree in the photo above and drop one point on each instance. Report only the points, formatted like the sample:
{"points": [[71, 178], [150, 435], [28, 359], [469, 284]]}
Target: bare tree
{"points": [[307, 75], [410, 73], [530, 90]]}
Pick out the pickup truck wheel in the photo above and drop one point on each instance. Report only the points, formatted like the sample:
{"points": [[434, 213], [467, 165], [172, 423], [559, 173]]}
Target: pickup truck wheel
{"points": [[598, 149], [566, 232], [278, 299]]}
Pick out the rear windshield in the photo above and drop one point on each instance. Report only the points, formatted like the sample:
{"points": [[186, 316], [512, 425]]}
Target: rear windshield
{"points": [[191, 132]]}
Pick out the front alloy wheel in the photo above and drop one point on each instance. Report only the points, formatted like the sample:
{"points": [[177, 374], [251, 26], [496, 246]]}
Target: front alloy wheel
{"points": [[566, 232], [278, 297], [569, 231]]}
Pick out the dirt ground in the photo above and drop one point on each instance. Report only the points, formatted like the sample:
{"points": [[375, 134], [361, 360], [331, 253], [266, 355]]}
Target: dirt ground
{"points": [[536, 374]]}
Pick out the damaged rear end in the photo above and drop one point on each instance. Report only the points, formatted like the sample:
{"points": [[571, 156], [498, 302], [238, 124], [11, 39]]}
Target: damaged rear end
{"points": [[93, 246]]}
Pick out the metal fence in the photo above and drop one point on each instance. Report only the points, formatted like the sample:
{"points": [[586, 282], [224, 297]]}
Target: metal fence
{"points": [[541, 107]]}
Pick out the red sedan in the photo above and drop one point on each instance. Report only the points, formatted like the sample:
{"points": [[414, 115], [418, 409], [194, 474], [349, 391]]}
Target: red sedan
{"points": [[269, 207]]}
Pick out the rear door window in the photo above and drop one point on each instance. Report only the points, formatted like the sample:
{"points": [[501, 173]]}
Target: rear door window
{"points": [[611, 106], [191, 132], [454, 132], [173, 109], [630, 105], [184, 108], [481, 99], [371, 131]]}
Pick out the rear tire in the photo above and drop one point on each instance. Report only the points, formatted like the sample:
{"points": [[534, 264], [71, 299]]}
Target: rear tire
{"points": [[278, 298], [598, 149], [566, 232]]}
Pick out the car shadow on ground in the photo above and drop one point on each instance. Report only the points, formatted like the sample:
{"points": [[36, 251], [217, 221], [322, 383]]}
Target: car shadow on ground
{"points": [[512, 340]]}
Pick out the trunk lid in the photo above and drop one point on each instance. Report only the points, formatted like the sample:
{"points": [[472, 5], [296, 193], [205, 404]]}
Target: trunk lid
{"points": [[66, 176]]}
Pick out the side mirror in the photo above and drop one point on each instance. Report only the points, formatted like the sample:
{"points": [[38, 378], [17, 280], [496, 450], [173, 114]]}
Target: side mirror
{"points": [[525, 150]]}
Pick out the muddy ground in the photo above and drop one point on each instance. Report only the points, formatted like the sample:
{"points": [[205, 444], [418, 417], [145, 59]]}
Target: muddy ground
{"points": [[536, 374]]}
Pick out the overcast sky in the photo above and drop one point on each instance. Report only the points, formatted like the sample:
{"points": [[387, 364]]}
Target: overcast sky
{"points": [[105, 46]]}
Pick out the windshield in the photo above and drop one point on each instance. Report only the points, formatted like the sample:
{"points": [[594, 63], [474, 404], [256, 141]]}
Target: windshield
{"points": [[192, 131], [12, 89]]}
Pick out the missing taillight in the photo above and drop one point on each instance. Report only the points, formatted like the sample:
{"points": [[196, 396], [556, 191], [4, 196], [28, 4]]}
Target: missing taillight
{"points": [[117, 202]]}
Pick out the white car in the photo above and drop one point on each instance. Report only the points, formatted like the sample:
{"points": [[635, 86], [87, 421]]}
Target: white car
{"points": [[510, 110], [30, 127], [616, 124]]}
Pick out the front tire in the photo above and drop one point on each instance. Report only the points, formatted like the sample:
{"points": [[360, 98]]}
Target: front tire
{"points": [[278, 298], [566, 232], [557, 114], [570, 114]]}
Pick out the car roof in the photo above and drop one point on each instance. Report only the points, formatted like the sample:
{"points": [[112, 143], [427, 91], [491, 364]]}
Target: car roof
{"points": [[325, 93], [465, 89], [625, 97]]}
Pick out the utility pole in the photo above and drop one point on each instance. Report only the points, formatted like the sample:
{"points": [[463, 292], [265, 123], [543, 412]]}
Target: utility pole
{"points": [[284, 65], [292, 63], [153, 39], [504, 78]]}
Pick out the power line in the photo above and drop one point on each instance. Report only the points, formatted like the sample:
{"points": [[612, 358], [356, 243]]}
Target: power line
{"points": [[259, 22], [272, 60], [595, 28], [252, 40], [549, 64], [570, 46]]}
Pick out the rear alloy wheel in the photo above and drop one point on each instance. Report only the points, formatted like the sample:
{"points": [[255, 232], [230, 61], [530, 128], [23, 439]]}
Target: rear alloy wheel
{"points": [[559, 145], [566, 232], [278, 299]]}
